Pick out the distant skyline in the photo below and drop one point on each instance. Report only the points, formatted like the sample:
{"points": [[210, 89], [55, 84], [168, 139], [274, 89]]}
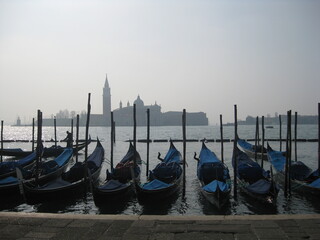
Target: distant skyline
{"points": [[201, 55]]}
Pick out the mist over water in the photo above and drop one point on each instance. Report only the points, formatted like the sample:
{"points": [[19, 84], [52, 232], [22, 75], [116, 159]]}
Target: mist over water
{"points": [[193, 203]]}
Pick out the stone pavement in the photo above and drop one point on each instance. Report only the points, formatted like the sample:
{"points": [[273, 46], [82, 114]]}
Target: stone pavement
{"points": [[115, 227]]}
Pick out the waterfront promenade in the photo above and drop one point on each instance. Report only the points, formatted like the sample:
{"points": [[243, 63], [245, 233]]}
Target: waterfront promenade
{"points": [[27, 226]]}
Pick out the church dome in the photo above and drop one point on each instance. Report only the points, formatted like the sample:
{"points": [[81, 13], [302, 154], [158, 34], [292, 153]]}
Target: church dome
{"points": [[138, 102]]}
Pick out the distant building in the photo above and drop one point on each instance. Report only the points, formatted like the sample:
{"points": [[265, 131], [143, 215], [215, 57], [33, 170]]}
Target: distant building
{"points": [[18, 121], [123, 116]]}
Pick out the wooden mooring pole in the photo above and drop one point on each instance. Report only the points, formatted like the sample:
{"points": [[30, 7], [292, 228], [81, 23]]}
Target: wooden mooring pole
{"points": [[1, 139], [71, 133], [262, 142], [148, 141], [280, 132], [256, 140], [287, 184], [77, 137], [114, 132], [295, 136], [55, 131], [221, 137], [32, 134], [235, 168], [290, 153], [39, 145], [134, 133], [319, 138], [184, 149], [111, 141], [87, 135]]}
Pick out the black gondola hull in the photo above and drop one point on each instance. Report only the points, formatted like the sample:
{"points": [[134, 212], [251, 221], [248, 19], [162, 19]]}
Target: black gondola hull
{"points": [[297, 186], [218, 198], [158, 194], [105, 196], [269, 198]]}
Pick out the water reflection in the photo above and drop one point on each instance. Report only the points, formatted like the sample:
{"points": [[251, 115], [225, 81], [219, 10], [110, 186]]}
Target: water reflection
{"points": [[193, 203], [159, 207], [209, 209], [9, 203], [114, 206], [256, 207], [60, 205]]}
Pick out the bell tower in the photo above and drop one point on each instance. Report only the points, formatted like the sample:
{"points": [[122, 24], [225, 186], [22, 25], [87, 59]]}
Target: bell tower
{"points": [[107, 102]]}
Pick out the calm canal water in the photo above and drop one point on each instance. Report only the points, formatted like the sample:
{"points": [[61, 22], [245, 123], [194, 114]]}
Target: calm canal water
{"points": [[192, 203]]}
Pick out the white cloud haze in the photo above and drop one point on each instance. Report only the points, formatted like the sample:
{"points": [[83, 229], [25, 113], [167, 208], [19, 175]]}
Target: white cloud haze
{"points": [[202, 55]]}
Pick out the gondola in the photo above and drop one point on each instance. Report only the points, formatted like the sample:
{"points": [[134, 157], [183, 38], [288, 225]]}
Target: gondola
{"points": [[164, 180], [119, 184], [303, 179], [251, 150], [52, 151], [45, 172], [8, 168], [213, 176], [253, 179], [69, 183]]}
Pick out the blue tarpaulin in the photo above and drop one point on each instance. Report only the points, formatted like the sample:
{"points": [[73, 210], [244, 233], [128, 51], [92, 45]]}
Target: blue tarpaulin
{"points": [[262, 186], [214, 185], [155, 184], [112, 185], [245, 145], [277, 160], [315, 183], [8, 180]]}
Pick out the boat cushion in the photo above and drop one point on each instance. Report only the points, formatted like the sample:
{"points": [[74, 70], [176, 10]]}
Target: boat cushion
{"points": [[48, 167], [261, 186], [300, 171], [8, 180], [75, 173], [167, 172], [251, 172], [112, 185], [57, 183], [208, 172]]}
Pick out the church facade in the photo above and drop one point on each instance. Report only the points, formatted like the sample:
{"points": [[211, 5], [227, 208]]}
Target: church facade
{"points": [[123, 116]]}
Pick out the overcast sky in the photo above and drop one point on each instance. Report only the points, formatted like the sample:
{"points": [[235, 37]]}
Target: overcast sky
{"points": [[201, 55]]}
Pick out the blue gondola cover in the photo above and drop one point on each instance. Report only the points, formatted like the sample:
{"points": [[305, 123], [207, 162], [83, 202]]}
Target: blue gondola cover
{"points": [[261, 186], [155, 184], [214, 185], [315, 183]]}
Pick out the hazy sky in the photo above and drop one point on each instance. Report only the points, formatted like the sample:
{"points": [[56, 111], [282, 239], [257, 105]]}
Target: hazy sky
{"points": [[201, 55]]}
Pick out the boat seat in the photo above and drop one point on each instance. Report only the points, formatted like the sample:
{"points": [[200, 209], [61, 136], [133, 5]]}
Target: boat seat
{"points": [[75, 173], [166, 172], [48, 167], [213, 171], [92, 166]]}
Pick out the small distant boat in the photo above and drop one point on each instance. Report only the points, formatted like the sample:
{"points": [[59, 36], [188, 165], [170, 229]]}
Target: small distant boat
{"points": [[269, 126], [214, 178], [303, 179], [251, 149], [71, 182], [119, 183], [253, 179], [164, 180]]}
